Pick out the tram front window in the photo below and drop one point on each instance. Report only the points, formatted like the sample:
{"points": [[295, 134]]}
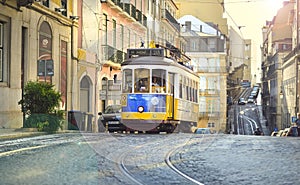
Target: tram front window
{"points": [[158, 81], [141, 78]]}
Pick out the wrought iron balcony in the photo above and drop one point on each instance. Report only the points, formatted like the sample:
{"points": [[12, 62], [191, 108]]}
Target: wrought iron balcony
{"points": [[168, 16], [112, 54]]}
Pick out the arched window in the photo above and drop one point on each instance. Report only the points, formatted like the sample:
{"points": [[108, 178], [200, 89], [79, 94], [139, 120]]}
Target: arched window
{"points": [[85, 94], [45, 42], [45, 50]]}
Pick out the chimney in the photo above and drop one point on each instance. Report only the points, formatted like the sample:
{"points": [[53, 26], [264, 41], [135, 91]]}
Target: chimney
{"points": [[188, 25]]}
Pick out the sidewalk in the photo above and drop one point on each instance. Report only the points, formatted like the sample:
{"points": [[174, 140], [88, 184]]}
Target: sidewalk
{"points": [[6, 134], [18, 133]]}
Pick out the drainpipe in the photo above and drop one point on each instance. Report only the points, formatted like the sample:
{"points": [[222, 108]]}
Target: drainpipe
{"points": [[73, 64], [296, 58]]}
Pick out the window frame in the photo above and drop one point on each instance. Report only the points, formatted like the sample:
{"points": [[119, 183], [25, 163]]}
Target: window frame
{"points": [[5, 48]]}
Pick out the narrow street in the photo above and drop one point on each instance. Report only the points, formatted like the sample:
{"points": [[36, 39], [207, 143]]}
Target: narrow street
{"points": [[96, 159]]}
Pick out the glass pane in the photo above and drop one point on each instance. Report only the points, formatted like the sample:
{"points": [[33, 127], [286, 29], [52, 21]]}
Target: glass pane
{"points": [[141, 80], [158, 81], [127, 81]]}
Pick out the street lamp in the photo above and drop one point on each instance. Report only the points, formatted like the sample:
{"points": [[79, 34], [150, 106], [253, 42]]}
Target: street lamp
{"points": [[281, 95]]}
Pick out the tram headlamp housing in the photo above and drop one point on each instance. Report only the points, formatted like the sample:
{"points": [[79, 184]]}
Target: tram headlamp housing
{"points": [[140, 109]]}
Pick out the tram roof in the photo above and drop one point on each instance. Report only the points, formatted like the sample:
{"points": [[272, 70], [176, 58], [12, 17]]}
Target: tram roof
{"points": [[155, 60]]}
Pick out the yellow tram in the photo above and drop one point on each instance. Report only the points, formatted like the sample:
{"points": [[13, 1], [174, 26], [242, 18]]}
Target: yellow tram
{"points": [[159, 94]]}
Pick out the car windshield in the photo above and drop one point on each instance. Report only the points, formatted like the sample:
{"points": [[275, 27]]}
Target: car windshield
{"points": [[112, 109]]}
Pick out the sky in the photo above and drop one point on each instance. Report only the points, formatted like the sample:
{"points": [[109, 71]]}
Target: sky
{"points": [[252, 16]]}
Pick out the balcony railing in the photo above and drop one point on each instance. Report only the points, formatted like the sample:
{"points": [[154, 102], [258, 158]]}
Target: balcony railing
{"points": [[144, 20], [139, 16], [209, 114], [112, 54], [167, 15], [291, 54], [212, 69], [209, 92], [131, 10]]}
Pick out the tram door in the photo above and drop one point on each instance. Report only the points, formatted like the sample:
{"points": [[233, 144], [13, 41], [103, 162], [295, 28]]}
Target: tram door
{"points": [[170, 108]]}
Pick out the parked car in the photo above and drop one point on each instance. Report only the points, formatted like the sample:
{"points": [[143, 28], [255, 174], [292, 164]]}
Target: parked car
{"points": [[242, 101], [251, 99], [111, 118], [203, 131]]}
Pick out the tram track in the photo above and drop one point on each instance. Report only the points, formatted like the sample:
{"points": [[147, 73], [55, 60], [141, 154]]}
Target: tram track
{"points": [[159, 164]]}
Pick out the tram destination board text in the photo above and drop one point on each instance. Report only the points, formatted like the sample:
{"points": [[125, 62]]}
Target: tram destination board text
{"points": [[145, 52]]}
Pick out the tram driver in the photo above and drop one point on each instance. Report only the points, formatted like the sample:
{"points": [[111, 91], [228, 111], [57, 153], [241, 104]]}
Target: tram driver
{"points": [[141, 86], [155, 82]]}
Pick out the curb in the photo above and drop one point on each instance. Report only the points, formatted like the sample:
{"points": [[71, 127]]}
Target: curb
{"points": [[20, 135], [28, 132]]}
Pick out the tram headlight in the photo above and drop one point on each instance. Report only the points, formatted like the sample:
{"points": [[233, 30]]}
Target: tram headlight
{"points": [[140, 109]]}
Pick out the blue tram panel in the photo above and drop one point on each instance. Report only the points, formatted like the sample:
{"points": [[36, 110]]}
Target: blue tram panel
{"points": [[150, 102]]}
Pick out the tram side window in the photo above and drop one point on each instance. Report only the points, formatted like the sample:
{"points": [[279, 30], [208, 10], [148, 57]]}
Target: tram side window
{"points": [[180, 86], [158, 83], [171, 83], [187, 89], [127, 81], [196, 93], [141, 79], [183, 89]]}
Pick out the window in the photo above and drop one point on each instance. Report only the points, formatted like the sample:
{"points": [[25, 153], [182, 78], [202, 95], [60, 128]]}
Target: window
{"points": [[171, 80], [212, 44], [180, 86], [141, 80], [127, 81], [122, 37], [129, 39], [1, 51], [211, 125], [247, 47], [114, 33], [64, 4], [45, 46], [104, 23], [45, 3], [158, 82], [4, 45]]}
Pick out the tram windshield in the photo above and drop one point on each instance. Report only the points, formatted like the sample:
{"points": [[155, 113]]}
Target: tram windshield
{"points": [[144, 80], [158, 81]]}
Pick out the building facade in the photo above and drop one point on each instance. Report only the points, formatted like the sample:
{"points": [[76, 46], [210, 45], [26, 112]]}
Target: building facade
{"points": [[279, 69], [36, 34], [206, 48]]}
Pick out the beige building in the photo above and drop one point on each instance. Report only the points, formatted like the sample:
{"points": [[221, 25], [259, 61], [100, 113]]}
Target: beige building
{"points": [[37, 34], [279, 69], [206, 48], [84, 42]]}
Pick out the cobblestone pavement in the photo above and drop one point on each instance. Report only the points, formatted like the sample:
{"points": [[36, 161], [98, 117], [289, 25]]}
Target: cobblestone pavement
{"points": [[232, 159], [210, 159]]}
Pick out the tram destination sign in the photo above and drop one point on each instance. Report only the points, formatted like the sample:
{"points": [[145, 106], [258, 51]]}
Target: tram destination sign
{"points": [[131, 53]]}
